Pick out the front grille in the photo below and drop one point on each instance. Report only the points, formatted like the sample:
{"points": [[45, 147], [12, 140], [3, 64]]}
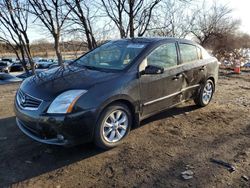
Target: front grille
{"points": [[27, 102]]}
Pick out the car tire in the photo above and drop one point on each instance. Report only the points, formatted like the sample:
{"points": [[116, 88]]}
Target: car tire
{"points": [[205, 94], [113, 126]]}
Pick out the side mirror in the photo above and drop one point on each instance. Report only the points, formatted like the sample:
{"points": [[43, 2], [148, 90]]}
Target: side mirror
{"points": [[153, 69]]}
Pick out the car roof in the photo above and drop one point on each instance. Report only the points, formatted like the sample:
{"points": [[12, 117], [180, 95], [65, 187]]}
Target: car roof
{"points": [[156, 40]]}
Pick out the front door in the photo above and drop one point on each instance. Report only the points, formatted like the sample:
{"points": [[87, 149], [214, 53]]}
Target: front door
{"points": [[160, 91]]}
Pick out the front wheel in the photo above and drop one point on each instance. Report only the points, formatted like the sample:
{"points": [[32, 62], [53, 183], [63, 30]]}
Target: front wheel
{"points": [[205, 94], [113, 126]]}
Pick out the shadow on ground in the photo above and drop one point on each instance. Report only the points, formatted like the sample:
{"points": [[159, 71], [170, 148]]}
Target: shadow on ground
{"points": [[22, 158], [170, 113]]}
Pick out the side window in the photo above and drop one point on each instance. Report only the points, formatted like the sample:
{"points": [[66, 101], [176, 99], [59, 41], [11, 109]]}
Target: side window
{"points": [[164, 56], [188, 53]]}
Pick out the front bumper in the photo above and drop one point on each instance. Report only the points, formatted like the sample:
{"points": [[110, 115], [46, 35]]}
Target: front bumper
{"points": [[58, 140], [64, 130]]}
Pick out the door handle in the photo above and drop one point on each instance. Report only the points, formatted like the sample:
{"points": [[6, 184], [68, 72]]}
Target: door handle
{"points": [[177, 77], [203, 68]]}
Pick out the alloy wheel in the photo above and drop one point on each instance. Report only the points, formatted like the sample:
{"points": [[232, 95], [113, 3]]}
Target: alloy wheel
{"points": [[207, 93], [115, 126]]}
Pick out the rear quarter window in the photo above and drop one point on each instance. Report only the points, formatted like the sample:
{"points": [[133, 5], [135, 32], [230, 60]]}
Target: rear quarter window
{"points": [[189, 53], [205, 54]]}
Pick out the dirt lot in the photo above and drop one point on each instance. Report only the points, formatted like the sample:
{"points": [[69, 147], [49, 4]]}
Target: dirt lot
{"points": [[153, 155]]}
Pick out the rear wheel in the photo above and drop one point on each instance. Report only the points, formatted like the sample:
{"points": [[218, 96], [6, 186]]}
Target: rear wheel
{"points": [[113, 126], [205, 94]]}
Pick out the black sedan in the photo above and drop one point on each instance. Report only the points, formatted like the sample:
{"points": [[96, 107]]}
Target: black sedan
{"points": [[16, 67], [106, 92]]}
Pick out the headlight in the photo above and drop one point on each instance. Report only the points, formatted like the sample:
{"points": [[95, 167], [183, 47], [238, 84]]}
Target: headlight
{"points": [[65, 102]]}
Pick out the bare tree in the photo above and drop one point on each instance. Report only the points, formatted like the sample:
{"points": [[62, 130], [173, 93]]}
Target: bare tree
{"points": [[4, 39], [140, 14], [228, 46], [115, 10], [131, 17], [213, 22], [14, 21], [80, 12], [174, 20], [53, 15]]}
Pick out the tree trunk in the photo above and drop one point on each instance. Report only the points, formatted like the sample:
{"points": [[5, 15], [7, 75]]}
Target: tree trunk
{"points": [[131, 19], [122, 33], [32, 64], [22, 60], [88, 38], [28, 52], [89, 34], [93, 42], [57, 49]]}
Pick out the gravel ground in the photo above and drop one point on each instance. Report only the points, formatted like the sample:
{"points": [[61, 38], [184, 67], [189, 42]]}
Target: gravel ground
{"points": [[153, 155]]}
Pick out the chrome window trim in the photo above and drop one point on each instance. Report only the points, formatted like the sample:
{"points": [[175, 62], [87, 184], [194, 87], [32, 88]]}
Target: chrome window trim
{"points": [[171, 95]]}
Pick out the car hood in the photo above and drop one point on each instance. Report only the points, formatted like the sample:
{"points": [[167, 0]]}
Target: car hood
{"points": [[49, 84]]}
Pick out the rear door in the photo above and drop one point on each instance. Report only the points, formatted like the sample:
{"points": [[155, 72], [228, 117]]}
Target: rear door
{"points": [[161, 91], [194, 69]]}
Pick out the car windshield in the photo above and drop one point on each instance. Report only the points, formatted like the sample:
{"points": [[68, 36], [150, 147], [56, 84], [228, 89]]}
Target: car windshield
{"points": [[114, 55]]}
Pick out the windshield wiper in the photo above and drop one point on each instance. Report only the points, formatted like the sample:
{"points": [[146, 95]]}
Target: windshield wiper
{"points": [[92, 67], [85, 66], [97, 68]]}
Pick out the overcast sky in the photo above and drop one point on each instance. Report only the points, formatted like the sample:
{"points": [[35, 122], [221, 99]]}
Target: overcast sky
{"points": [[242, 11]]}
